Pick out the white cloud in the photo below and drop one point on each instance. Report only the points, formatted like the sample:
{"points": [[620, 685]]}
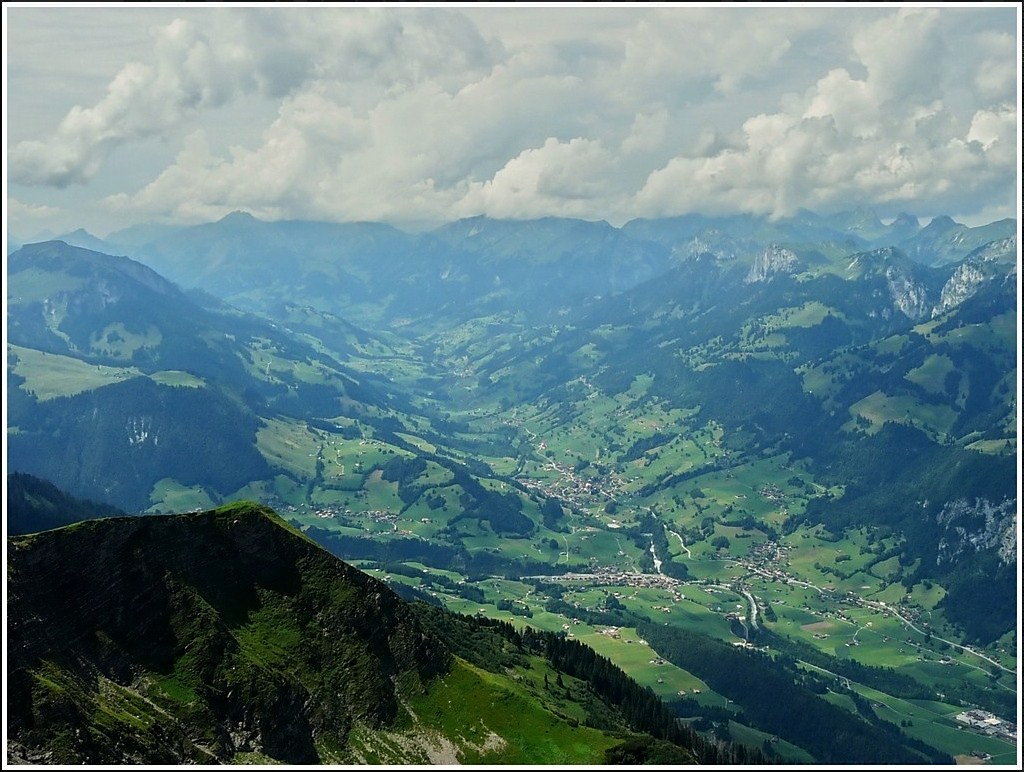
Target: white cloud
{"points": [[884, 138], [401, 114], [990, 127], [29, 222], [19, 210], [557, 178], [200, 66], [904, 55]]}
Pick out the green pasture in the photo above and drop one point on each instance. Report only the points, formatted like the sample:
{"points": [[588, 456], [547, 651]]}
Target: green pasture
{"points": [[178, 378], [803, 625], [364, 455], [1005, 327], [808, 314], [503, 467], [258, 490], [469, 704], [859, 582], [997, 335], [937, 668], [806, 550], [878, 408], [696, 594], [449, 509], [926, 597], [418, 442], [508, 589], [523, 548], [289, 445], [629, 652], [472, 607], [927, 329], [379, 494], [891, 346], [588, 598], [586, 356], [1008, 445], [697, 617], [429, 571], [893, 593], [169, 496], [289, 490], [711, 570], [818, 382], [358, 527], [269, 364], [605, 546], [754, 738], [48, 376], [645, 598], [931, 374], [330, 497], [886, 569], [825, 379], [935, 727]]}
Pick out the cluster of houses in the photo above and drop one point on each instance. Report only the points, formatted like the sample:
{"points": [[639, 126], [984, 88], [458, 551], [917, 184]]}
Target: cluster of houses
{"points": [[576, 489], [987, 723], [611, 576], [765, 559]]}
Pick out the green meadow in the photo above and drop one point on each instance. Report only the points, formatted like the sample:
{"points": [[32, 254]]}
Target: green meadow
{"points": [[170, 496], [48, 376]]}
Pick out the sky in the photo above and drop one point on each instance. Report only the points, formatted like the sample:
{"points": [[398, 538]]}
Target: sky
{"points": [[415, 116]]}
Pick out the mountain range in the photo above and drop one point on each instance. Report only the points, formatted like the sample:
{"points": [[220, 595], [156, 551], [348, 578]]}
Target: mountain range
{"points": [[481, 413]]}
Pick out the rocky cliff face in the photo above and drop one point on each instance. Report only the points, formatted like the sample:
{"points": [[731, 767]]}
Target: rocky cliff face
{"points": [[908, 295], [712, 243], [904, 282], [770, 261], [971, 527], [993, 261]]}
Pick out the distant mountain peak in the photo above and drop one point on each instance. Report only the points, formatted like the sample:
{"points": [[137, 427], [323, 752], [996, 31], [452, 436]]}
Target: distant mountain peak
{"points": [[238, 217], [942, 223], [864, 215], [903, 218], [82, 238]]}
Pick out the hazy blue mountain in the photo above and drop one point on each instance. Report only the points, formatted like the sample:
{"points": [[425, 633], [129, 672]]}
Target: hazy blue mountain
{"points": [[902, 228], [534, 265], [142, 233], [82, 238], [686, 234], [116, 311], [372, 274], [253, 264], [118, 380], [944, 241]]}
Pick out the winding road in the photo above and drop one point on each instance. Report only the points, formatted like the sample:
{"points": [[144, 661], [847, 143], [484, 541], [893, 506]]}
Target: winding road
{"points": [[681, 542]]}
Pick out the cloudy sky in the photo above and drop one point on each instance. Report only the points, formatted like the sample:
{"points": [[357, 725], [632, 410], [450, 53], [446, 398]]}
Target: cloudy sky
{"points": [[416, 115]]}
